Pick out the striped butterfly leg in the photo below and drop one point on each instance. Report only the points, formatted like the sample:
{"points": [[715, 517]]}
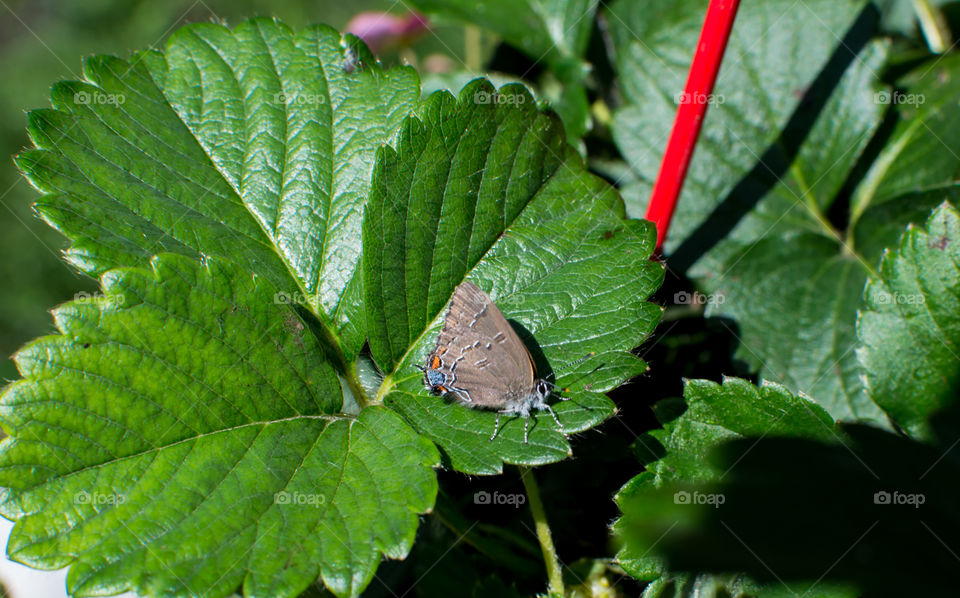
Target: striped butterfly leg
{"points": [[496, 427], [526, 422], [555, 418]]}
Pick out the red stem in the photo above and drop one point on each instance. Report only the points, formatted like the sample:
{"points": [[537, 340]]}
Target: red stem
{"points": [[692, 107]]}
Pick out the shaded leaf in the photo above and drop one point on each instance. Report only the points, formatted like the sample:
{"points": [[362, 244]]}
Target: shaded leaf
{"points": [[686, 585], [552, 30], [712, 414], [873, 515], [921, 153], [910, 329], [706, 586], [796, 103]]}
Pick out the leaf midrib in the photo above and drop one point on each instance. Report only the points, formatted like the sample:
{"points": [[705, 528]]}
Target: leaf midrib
{"points": [[273, 248]]}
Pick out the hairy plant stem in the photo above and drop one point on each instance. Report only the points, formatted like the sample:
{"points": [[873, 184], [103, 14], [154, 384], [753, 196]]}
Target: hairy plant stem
{"points": [[554, 573], [472, 48]]}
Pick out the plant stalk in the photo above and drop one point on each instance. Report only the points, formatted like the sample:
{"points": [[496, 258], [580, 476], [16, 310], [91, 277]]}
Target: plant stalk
{"points": [[554, 573], [334, 352], [473, 48], [932, 24]]}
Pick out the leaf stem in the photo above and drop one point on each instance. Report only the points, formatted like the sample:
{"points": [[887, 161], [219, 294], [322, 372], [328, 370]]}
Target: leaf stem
{"points": [[386, 385], [472, 48], [554, 573], [346, 369], [867, 189], [350, 375], [813, 208], [932, 24]]}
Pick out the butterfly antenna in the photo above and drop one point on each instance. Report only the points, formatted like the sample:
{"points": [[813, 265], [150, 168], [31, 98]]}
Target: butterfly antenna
{"points": [[553, 386], [567, 366], [579, 361]]}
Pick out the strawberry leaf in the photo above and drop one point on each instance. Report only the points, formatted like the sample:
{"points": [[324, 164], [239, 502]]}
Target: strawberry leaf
{"points": [[798, 504], [485, 188], [183, 435], [254, 144], [760, 225], [211, 421], [910, 329], [711, 414]]}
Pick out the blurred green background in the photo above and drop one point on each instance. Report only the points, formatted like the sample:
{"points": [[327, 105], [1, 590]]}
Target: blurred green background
{"points": [[42, 42]]}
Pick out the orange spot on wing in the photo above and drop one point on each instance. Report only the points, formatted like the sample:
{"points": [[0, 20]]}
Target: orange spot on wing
{"points": [[435, 362]]}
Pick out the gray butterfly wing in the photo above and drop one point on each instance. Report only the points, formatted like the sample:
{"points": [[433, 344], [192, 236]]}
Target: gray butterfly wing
{"points": [[486, 355]]}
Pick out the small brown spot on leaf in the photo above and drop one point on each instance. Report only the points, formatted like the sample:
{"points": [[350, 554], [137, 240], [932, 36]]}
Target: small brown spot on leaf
{"points": [[940, 243], [294, 326]]}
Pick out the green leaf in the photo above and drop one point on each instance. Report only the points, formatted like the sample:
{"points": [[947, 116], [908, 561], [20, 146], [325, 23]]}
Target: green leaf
{"points": [[254, 144], [796, 103], [486, 189], [910, 330], [209, 381], [712, 414], [455, 556], [701, 586], [858, 511], [921, 153], [183, 435], [555, 32], [707, 585], [457, 80], [781, 68]]}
